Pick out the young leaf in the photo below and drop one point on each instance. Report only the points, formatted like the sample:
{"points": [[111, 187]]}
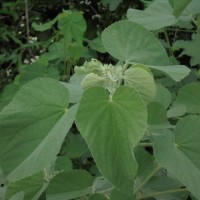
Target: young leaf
{"points": [[180, 153], [142, 81], [132, 43], [70, 185], [33, 127], [112, 126]]}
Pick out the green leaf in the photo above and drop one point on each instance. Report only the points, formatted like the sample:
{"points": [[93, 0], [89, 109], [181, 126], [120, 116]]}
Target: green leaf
{"points": [[63, 163], [36, 120], [157, 116], [179, 153], [113, 4], [75, 92], [163, 95], [176, 72], [70, 185], [179, 6], [31, 187], [18, 196], [191, 48], [75, 146], [189, 96], [73, 25], [158, 15], [146, 167], [130, 42], [142, 81], [164, 183], [97, 197], [45, 26], [112, 126], [176, 111], [96, 44], [118, 195]]}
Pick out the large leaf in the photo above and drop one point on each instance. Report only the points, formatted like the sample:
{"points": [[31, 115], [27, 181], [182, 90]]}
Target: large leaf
{"points": [[32, 187], [112, 126], [143, 82], [130, 42], [70, 185], [189, 96], [180, 153], [158, 15], [117, 195], [36, 120]]}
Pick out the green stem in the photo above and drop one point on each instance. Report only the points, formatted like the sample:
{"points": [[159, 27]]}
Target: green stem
{"points": [[146, 180], [125, 66], [163, 193]]}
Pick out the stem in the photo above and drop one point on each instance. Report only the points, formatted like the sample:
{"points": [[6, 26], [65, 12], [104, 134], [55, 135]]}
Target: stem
{"points": [[163, 193], [125, 66], [146, 180]]}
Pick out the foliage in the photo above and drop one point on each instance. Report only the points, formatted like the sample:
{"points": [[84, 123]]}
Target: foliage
{"points": [[100, 113]]}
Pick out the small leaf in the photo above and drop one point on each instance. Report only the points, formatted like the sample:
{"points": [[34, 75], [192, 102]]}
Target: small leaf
{"points": [[130, 42]]}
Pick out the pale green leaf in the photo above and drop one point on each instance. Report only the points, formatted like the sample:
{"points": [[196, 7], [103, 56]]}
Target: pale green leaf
{"points": [[142, 81], [70, 185], [179, 153], [189, 96], [112, 126], [36, 120], [158, 15], [176, 72], [132, 43]]}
